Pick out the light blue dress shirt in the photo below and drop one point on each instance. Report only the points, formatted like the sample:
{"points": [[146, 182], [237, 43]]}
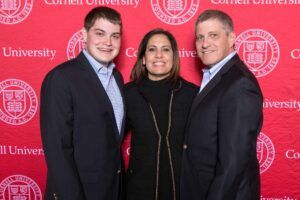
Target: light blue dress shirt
{"points": [[110, 85], [209, 73]]}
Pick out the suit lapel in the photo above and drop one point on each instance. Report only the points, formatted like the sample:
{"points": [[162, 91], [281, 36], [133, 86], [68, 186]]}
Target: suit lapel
{"points": [[212, 83], [86, 66], [120, 83]]}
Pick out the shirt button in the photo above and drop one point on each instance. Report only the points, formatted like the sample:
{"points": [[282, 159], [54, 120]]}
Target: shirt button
{"points": [[119, 171], [185, 146]]}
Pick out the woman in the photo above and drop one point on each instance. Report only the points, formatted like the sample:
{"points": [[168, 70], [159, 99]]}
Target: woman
{"points": [[158, 103]]}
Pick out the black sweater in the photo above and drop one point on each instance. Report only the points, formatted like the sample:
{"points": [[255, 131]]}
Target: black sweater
{"points": [[153, 167]]}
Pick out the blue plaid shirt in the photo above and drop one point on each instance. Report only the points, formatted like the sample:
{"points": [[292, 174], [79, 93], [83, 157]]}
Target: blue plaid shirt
{"points": [[110, 85]]}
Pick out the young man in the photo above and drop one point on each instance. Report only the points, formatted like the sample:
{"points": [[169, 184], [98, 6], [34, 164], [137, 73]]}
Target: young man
{"points": [[219, 157], [82, 116]]}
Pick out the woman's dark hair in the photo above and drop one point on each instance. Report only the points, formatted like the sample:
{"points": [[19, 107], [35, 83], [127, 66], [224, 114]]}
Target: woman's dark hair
{"points": [[139, 71]]}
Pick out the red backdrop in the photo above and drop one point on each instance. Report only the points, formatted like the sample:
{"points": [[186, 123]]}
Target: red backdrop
{"points": [[37, 35]]}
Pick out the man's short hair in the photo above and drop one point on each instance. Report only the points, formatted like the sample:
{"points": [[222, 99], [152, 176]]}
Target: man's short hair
{"points": [[221, 16], [103, 12]]}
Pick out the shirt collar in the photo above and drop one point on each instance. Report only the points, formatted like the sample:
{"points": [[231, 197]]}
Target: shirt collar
{"points": [[97, 66], [214, 69]]}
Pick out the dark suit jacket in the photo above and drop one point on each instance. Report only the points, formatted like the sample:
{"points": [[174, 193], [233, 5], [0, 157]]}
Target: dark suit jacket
{"points": [[79, 133], [219, 157]]}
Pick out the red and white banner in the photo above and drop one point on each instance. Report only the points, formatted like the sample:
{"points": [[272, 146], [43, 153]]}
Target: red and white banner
{"points": [[38, 35]]}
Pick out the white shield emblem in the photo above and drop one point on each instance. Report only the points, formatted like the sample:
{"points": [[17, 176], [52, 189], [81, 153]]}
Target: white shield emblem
{"points": [[9, 7], [175, 7], [19, 102], [19, 187], [75, 45], [174, 12], [255, 53], [259, 151], [14, 102], [259, 50], [19, 192], [265, 152]]}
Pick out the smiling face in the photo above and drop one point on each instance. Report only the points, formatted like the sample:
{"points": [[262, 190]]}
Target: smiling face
{"points": [[103, 40], [213, 42], [158, 57]]}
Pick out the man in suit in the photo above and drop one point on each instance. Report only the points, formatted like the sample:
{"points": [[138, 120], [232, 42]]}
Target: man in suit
{"points": [[219, 157], [82, 115]]}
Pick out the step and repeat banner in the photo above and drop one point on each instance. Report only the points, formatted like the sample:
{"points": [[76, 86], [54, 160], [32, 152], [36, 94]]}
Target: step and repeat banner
{"points": [[37, 35]]}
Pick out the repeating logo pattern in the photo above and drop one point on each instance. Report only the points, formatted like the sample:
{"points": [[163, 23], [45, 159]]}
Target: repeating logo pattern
{"points": [[174, 12], [265, 152], [18, 103], [19, 187], [75, 45], [14, 11], [259, 50]]}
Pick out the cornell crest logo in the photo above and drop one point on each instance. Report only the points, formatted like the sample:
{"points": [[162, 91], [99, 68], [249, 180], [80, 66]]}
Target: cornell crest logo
{"points": [[18, 102], [19, 187], [265, 152], [259, 50], [75, 45], [14, 11], [174, 12]]}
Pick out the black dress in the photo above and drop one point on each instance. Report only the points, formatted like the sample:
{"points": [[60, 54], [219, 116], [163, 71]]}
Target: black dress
{"points": [[156, 115]]}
